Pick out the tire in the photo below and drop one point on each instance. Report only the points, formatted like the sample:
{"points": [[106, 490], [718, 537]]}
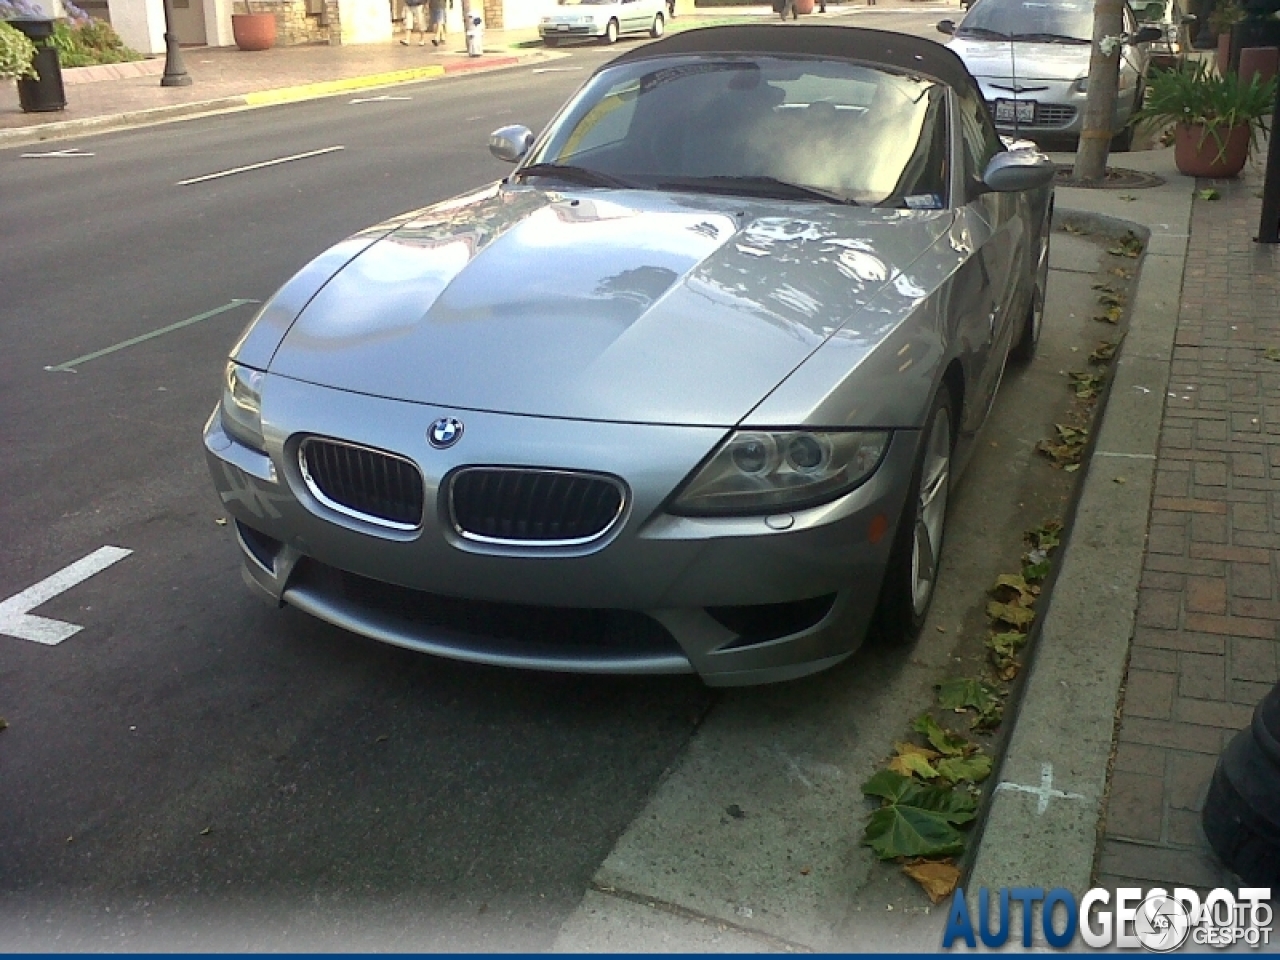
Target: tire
{"points": [[912, 572], [659, 26], [1122, 142], [1029, 338], [551, 41], [610, 35]]}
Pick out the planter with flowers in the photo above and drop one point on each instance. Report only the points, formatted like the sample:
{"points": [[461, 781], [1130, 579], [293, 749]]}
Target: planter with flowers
{"points": [[1216, 118]]}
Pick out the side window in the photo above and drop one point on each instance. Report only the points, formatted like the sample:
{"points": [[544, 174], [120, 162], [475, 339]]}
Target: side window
{"points": [[607, 122], [979, 139]]}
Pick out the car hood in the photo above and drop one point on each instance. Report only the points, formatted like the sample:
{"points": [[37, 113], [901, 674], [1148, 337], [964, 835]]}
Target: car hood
{"points": [[1029, 62], [629, 306]]}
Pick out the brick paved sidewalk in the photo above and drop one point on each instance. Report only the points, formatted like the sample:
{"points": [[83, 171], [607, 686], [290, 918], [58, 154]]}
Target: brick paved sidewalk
{"points": [[1205, 646]]}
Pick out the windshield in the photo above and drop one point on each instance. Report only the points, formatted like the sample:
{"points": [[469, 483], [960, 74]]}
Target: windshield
{"points": [[793, 128], [1032, 20]]}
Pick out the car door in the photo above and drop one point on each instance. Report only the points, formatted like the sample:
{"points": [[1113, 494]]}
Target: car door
{"points": [[631, 15], [994, 226]]}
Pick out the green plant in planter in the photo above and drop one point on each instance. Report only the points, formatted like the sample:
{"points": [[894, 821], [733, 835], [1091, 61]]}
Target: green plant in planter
{"points": [[1226, 15], [1196, 96], [16, 53]]}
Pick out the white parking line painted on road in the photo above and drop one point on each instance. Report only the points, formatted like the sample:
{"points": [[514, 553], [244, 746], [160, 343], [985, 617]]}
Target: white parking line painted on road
{"points": [[555, 69], [380, 99], [57, 154], [259, 166], [70, 365], [15, 621]]}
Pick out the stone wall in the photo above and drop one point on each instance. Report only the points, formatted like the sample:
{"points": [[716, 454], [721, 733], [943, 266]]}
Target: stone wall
{"points": [[295, 26]]}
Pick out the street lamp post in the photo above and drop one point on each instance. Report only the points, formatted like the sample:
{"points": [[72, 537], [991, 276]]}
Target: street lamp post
{"points": [[175, 71]]}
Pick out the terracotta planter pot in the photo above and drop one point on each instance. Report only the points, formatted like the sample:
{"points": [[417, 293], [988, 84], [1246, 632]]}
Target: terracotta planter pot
{"points": [[804, 6], [254, 31], [1224, 53], [1197, 155]]}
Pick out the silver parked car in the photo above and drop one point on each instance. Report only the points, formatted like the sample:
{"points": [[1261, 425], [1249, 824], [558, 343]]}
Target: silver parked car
{"points": [[1031, 58], [602, 20], [687, 392]]}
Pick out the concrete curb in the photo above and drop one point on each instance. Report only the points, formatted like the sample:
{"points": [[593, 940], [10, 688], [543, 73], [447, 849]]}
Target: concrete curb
{"points": [[65, 129], [1042, 821]]}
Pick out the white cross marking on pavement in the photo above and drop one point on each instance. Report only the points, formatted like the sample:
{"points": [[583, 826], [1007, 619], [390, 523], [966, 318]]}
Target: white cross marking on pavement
{"points": [[57, 154], [1043, 792], [15, 621]]}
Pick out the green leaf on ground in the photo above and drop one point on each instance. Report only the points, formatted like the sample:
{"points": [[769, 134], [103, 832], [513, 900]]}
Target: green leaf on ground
{"points": [[914, 760], [1010, 613], [1013, 588], [1046, 536], [1103, 352], [1037, 570], [917, 819], [941, 739], [1130, 245], [1087, 385], [967, 693], [1113, 315], [1209, 194], [972, 769], [1272, 353]]}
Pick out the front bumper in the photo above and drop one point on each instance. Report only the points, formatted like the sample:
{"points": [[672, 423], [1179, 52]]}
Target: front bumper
{"points": [[1059, 109], [571, 30], [672, 589]]}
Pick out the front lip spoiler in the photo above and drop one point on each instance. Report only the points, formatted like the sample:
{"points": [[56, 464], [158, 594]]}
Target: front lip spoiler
{"points": [[386, 627]]}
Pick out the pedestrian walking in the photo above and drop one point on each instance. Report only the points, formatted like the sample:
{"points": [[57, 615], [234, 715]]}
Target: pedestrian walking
{"points": [[789, 6], [671, 9], [415, 19], [438, 10]]}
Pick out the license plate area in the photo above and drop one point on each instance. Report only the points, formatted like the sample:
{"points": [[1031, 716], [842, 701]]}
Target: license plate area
{"points": [[1015, 111], [562, 26]]}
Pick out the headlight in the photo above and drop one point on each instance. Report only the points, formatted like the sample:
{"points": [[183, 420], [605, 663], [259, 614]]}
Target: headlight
{"points": [[242, 405], [757, 471], [1081, 85]]}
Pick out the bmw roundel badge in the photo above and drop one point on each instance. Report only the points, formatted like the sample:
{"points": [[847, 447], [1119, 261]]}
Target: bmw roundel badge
{"points": [[444, 433]]}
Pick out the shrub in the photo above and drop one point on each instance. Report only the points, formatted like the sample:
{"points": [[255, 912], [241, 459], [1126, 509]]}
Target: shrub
{"points": [[87, 42], [16, 53]]}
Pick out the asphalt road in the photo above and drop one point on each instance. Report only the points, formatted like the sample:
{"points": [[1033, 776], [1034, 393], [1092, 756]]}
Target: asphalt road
{"points": [[194, 769]]}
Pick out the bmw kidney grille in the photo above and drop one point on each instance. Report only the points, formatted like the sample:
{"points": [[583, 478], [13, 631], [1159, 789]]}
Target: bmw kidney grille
{"points": [[367, 484], [532, 507]]}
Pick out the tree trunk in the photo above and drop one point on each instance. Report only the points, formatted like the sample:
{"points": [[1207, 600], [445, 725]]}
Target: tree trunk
{"points": [[1100, 103]]}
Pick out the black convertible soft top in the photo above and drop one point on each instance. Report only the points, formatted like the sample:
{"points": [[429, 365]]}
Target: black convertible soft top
{"points": [[906, 54]]}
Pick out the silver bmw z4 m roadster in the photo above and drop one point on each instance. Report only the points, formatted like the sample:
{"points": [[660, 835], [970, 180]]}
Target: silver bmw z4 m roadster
{"points": [[686, 392]]}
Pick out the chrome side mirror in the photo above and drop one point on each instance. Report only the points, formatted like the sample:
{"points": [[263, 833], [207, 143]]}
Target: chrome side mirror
{"points": [[511, 143], [946, 26], [1016, 170]]}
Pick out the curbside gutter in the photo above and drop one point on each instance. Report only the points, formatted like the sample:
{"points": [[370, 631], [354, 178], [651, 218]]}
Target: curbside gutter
{"points": [[82, 126], [1042, 821]]}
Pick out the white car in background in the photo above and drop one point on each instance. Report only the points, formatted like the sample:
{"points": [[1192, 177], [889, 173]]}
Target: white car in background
{"points": [[603, 20]]}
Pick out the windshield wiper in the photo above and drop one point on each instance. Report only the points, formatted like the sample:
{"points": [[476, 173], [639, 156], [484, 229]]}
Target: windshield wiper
{"points": [[1048, 38], [982, 33], [757, 187], [565, 171]]}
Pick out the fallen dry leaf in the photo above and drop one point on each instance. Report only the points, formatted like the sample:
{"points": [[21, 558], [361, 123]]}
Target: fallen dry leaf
{"points": [[938, 877]]}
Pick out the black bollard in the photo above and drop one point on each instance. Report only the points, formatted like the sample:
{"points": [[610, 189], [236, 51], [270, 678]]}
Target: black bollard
{"points": [[1269, 222], [1242, 812]]}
